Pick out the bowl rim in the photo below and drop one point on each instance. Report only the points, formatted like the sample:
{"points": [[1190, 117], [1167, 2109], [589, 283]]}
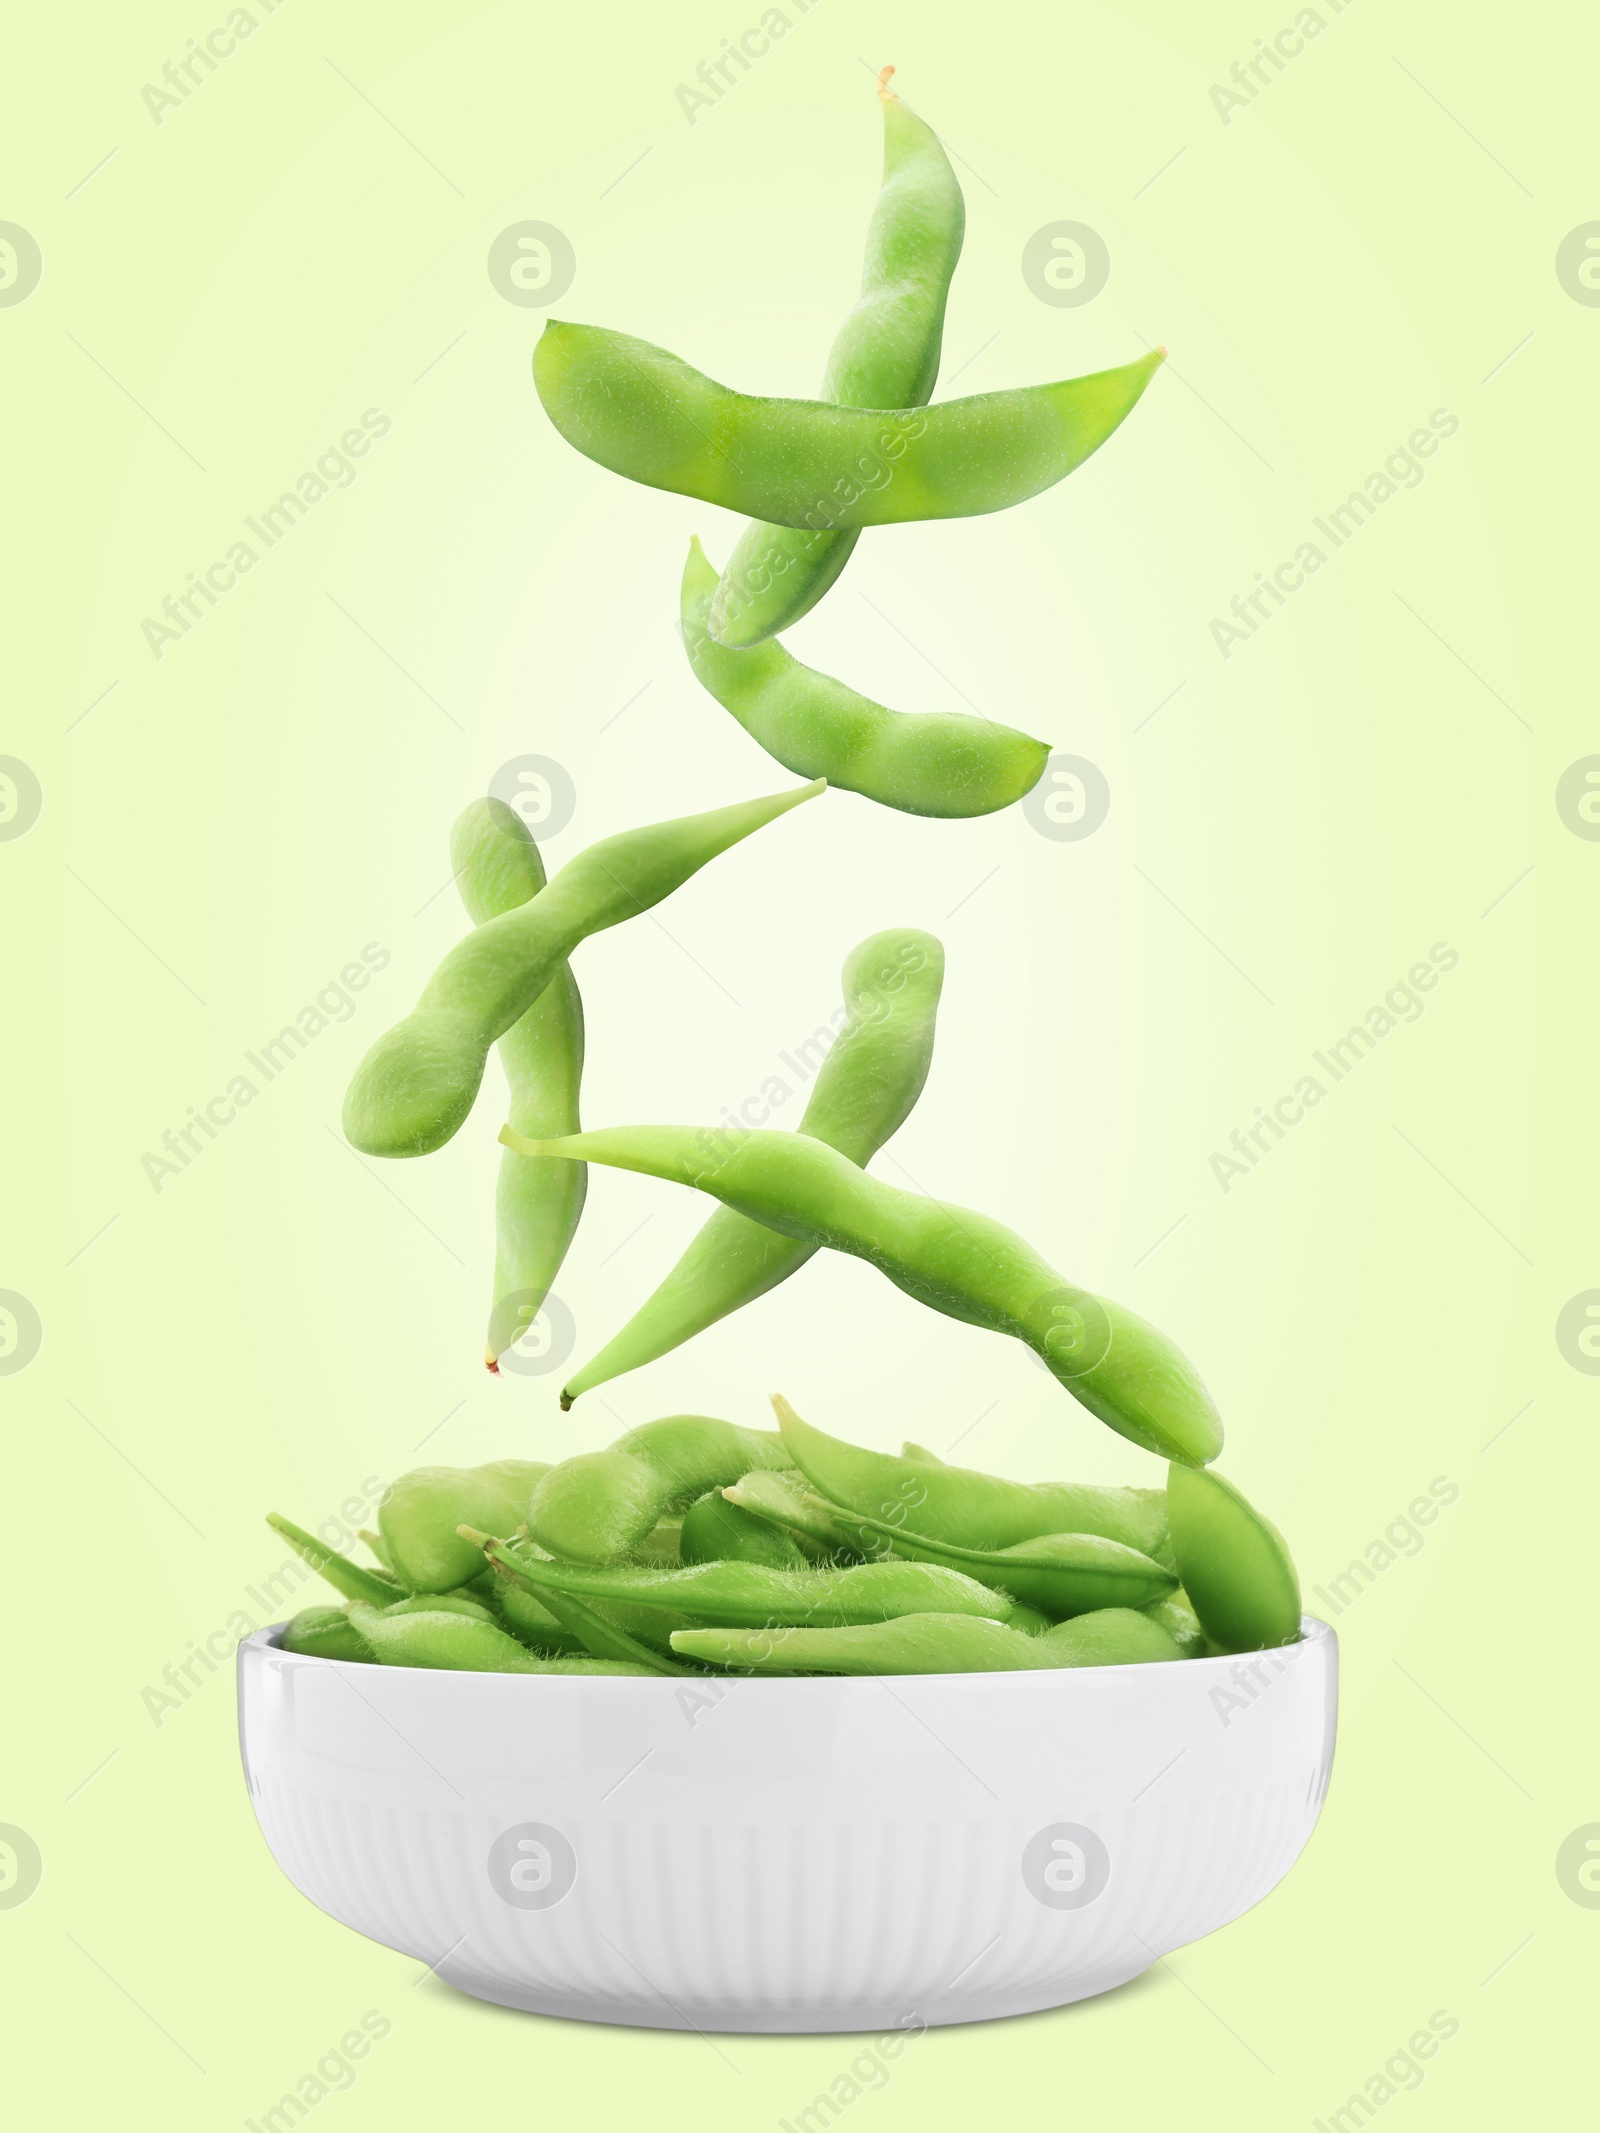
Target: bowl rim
{"points": [[1314, 1633]]}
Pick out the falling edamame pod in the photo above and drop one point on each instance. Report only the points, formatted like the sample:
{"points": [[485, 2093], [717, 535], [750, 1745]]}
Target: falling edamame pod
{"points": [[945, 763], [933, 1644], [749, 1594], [416, 1085], [647, 414], [355, 1580], [886, 354], [962, 1505], [598, 1507], [1235, 1565], [864, 1091], [498, 868], [327, 1633], [964, 1264], [421, 1511], [1059, 1573]]}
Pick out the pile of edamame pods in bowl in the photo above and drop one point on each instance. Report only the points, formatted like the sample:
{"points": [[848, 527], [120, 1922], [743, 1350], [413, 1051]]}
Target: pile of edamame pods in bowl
{"points": [[693, 1543], [695, 1546]]}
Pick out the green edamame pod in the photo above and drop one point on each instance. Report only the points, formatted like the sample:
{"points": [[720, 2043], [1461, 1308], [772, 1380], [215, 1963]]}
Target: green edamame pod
{"points": [[717, 1531], [1235, 1564], [749, 1594], [1112, 1636], [933, 1644], [945, 763], [963, 1506], [1180, 1622], [438, 1638], [598, 1506], [963, 1264], [600, 1634], [784, 1500], [1061, 1573], [419, 1516], [647, 414], [886, 354], [443, 1603], [327, 1633], [530, 1621], [354, 1580], [418, 1082], [864, 1092], [498, 868]]}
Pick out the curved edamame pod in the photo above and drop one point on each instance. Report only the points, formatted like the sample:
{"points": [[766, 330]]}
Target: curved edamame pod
{"points": [[963, 1506], [1235, 1564], [648, 415], [750, 1594], [498, 868], [327, 1633], [886, 354], [456, 1642], [598, 1506], [421, 1512], [864, 1091], [354, 1580], [933, 1644], [944, 763], [963, 1264], [417, 1083]]}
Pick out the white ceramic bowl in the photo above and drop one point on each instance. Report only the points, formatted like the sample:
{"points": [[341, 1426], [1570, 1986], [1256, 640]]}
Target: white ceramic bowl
{"points": [[823, 1854]]}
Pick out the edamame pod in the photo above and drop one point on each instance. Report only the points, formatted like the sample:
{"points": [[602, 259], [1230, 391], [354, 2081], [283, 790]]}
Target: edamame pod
{"points": [[530, 1621], [963, 1506], [1178, 1619], [354, 1580], [420, 1513], [440, 1639], [864, 1091], [717, 1531], [647, 414], [963, 1264], [601, 1636], [498, 868], [933, 1644], [1112, 1636], [417, 1083], [1235, 1564], [327, 1633], [598, 1506], [785, 1500], [886, 354], [749, 1594], [1060, 1573], [945, 763]]}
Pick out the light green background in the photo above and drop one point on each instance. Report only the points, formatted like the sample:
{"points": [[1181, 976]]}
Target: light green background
{"points": [[1374, 1305]]}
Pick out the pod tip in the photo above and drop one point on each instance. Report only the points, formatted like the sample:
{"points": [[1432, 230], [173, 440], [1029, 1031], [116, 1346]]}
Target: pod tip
{"points": [[566, 1400], [491, 1363], [887, 94]]}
